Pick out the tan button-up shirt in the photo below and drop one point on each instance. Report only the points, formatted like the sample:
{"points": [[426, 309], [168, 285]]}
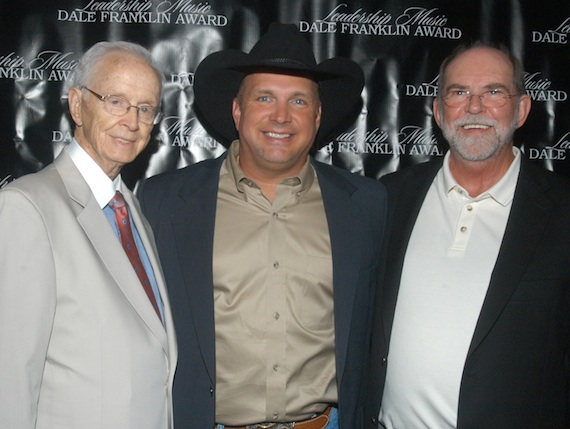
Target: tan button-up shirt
{"points": [[273, 299]]}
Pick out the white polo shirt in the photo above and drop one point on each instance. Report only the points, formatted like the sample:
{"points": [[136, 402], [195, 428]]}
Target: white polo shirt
{"points": [[447, 268]]}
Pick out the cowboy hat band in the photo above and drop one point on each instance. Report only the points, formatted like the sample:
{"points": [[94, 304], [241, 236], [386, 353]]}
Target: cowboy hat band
{"points": [[283, 50]]}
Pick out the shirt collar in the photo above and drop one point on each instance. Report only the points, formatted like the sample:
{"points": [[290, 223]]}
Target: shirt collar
{"points": [[502, 191], [304, 178], [102, 187]]}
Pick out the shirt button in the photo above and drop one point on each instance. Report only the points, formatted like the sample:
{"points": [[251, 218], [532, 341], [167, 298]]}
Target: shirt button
{"points": [[276, 316], [469, 208], [275, 368], [275, 415], [275, 214], [276, 265], [463, 229]]}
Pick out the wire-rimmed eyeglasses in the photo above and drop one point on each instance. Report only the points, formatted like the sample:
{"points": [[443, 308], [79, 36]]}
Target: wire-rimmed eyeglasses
{"points": [[490, 98], [119, 106]]}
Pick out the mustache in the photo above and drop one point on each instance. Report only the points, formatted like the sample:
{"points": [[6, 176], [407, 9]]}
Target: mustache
{"points": [[475, 120]]}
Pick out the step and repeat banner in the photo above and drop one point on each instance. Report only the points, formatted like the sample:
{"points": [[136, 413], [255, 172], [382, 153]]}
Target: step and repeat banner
{"points": [[399, 44]]}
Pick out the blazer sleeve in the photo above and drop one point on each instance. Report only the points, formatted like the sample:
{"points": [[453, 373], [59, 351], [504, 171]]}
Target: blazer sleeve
{"points": [[27, 307]]}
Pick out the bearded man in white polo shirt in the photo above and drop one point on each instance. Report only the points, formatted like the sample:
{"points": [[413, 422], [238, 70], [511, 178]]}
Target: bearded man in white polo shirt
{"points": [[472, 329]]}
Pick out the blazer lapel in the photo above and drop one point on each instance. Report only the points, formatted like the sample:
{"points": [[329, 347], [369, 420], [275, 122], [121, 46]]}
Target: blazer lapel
{"points": [[527, 220], [104, 241], [336, 193], [196, 200], [147, 238]]}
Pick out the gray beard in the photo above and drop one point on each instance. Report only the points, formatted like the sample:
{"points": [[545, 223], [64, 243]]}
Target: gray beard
{"points": [[478, 149]]}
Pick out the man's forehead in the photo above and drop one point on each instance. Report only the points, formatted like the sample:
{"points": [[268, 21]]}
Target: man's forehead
{"points": [[275, 81], [484, 65], [119, 67], [481, 58], [115, 60]]}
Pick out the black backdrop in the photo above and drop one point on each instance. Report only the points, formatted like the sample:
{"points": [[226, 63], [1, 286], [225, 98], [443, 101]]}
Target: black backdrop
{"points": [[398, 43]]}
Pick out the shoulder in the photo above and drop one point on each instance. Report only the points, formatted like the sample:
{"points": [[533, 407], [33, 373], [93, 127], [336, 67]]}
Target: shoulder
{"points": [[34, 186], [412, 174], [547, 189], [360, 194], [164, 189], [547, 181], [33, 200], [168, 183], [183, 174], [345, 179]]}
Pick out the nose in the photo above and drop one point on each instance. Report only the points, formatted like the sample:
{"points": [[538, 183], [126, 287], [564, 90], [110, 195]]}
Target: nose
{"points": [[131, 118], [475, 104], [281, 113]]}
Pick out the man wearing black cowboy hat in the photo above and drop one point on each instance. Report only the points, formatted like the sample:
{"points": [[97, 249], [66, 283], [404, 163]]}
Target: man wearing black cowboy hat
{"points": [[270, 257]]}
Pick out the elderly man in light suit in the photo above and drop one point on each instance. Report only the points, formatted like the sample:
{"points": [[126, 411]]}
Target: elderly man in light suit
{"points": [[82, 343]]}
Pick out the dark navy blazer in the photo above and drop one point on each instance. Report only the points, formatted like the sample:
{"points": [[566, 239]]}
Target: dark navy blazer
{"points": [[516, 373], [180, 207]]}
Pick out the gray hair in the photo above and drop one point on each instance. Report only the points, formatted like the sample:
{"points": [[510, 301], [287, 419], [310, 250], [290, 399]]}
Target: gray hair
{"points": [[91, 58], [518, 70]]}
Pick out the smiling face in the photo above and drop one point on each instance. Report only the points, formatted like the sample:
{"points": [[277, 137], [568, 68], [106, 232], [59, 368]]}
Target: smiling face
{"points": [[476, 132], [277, 117], [113, 141]]}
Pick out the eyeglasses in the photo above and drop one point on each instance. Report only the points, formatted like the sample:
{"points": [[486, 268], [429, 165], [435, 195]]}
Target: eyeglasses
{"points": [[119, 106], [491, 98]]}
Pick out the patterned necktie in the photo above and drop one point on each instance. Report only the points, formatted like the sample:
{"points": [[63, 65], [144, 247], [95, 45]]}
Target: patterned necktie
{"points": [[121, 211]]}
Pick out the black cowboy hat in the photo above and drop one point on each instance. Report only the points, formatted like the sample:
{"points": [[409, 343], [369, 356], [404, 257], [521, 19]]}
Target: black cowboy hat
{"points": [[283, 50]]}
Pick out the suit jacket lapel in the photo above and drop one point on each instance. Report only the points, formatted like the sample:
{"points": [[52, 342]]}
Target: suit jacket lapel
{"points": [[147, 238], [104, 241], [197, 200], [525, 226], [530, 207], [336, 193]]}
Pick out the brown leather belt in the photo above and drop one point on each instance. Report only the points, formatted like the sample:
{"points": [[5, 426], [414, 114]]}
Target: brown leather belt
{"points": [[318, 422]]}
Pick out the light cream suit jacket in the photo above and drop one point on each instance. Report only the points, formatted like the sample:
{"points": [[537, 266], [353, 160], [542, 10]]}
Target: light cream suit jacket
{"points": [[80, 344]]}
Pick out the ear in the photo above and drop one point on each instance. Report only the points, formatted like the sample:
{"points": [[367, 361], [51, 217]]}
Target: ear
{"points": [[75, 100], [236, 113], [524, 109], [318, 117], [436, 112]]}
